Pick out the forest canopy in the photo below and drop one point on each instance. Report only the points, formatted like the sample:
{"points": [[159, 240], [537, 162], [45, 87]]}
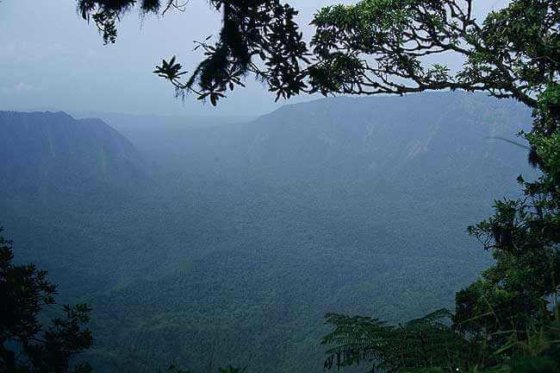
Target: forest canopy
{"points": [[508, 319]]}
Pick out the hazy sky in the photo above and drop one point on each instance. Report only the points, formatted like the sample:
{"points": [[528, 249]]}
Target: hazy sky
{"points": [[51, 59]]}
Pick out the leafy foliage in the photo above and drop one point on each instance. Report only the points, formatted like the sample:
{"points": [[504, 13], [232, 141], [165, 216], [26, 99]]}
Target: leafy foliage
{"points": [[25, 292], [515, 298], [509, 315], [372, 47], [380, 46], [276, 236], [261, 29], [425, 342]]}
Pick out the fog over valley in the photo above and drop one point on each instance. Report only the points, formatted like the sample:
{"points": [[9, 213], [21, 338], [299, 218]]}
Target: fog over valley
{"points": [[280, 186], [209, 241]]}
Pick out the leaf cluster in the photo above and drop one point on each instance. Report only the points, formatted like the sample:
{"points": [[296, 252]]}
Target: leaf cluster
{"points": [[425, 342], [371, 47], [257, 36], [26, 344]]}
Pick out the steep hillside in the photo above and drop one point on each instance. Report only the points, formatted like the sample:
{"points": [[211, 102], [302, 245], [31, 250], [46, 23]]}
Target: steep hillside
{"points": [[389, 140], [250, 232], [348, 205], [58, 177], [45, 152]]}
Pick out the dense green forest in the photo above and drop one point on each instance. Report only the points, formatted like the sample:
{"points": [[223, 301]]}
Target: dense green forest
{"points": [[228, 243]]}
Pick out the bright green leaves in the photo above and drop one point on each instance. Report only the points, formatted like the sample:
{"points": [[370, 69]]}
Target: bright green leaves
{"points": [[509, 309], [513, 54], [507, 314], [388, 40], [386, 15], [366, 15], [522, 45]]}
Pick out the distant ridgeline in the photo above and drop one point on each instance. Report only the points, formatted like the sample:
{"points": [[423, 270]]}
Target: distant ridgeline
{"points": [[43, 153], [247, 234]]}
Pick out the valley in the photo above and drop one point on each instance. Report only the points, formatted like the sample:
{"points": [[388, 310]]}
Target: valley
{"points": [[225, 242]]}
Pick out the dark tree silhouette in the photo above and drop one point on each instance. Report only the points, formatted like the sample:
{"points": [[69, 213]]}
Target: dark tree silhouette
{"points": [[26, 345], [261, 29], [375, 46], [508, 320]]}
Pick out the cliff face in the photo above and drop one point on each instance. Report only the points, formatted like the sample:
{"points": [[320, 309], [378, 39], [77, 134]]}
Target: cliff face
{"points": [[50, 152]]}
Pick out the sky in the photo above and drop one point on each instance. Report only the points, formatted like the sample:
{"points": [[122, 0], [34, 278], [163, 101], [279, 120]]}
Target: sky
{"points": [[51, 59]]}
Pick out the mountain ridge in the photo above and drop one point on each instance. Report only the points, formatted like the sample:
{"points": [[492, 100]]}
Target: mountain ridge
{"points": [[252, 231], [52, 151]]}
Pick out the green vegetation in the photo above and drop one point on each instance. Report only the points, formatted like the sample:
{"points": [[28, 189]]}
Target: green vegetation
{"points": [[508, 319], [371, 47], [26, 344], [245, 235], [378, 46], [510, 314]]}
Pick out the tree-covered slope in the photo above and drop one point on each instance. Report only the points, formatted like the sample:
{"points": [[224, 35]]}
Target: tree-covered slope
{"points": [[347, 205], [252, 231], [59, 176], [46, 152]]}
